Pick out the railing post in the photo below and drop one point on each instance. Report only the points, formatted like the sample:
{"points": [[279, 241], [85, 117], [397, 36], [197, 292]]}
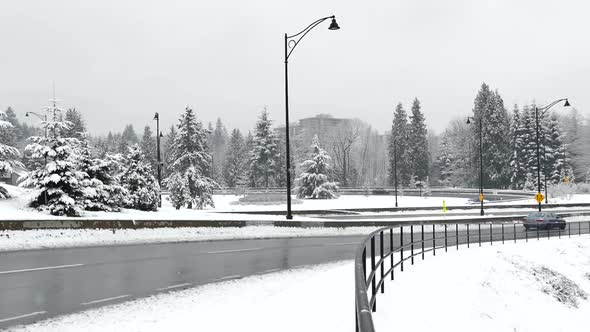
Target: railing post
{"points": [[445, 237], [391, 250], [491, 232], [457, 235], [422, 239], [579, 228], [569, 230], [381, 260], [365, 264], [514, 233], [412, 243], [433, 241], [502, 233], [479, 234], [467, 235], [401, 245], [537, 232], [373, 288], [559, 232], [526, 234]]}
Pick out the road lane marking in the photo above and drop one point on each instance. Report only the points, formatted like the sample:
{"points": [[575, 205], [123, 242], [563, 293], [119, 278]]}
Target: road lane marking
{"points": [[230, 277], [41, 268], [341, 244], [22, 316], [269, 271], [105, 300], [234, 250], [174, 286]]}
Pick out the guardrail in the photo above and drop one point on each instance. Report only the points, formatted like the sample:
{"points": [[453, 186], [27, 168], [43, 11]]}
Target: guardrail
{"points": [[391, 243]]}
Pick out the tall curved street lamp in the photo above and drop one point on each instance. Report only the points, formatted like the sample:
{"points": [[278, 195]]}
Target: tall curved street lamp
{"points": [[158, 135], [290, 43], [469, 118], [537, 110]]}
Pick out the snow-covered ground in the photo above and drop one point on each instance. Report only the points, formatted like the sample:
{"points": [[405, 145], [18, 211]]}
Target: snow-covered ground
{"points": [[539, 286], [16, 207], [60, 238]]}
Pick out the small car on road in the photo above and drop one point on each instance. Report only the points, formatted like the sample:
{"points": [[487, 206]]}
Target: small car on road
{"points": [[544, 220]]}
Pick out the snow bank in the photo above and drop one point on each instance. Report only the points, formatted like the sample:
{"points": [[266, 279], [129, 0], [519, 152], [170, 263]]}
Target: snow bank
{"points": [[537, 286], [59, 238]]}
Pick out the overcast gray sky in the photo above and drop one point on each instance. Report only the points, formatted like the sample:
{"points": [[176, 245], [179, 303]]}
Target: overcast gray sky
{"points": [[119, 61]]}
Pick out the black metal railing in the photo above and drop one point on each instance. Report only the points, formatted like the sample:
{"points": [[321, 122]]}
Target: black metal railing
{"points": [[397, 244]]}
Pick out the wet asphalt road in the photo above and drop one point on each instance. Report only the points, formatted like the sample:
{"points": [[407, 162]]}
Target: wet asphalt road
{"points": [[38, 284]]}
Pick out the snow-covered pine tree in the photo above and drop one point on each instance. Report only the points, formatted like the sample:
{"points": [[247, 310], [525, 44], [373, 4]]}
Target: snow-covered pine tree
{"points": [[419, 157], [77, 128], [489, 106], [126, 139], [101, 186], [445, 161], [58, 180], [517, 174], [149, 147], [313, 181], [140, 183], [398, 138], [8, 154], [191, 161], [11, 131], [264, 156], [234, 167], [219, 140], [179, 194], [168, 152]]}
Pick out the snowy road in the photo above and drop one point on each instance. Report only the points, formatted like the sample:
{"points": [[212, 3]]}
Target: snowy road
{"points": [[37, 284]]}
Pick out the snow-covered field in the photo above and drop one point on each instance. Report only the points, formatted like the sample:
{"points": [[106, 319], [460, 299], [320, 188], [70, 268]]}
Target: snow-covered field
{"points": [[539, 286], [16, 207], [60, 238]]}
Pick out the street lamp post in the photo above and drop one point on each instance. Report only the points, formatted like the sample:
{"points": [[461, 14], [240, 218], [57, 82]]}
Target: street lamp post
{"points": [[545, 171], [290, 43], [43, 118], [544, 109], [481, 213], [158, 135]]}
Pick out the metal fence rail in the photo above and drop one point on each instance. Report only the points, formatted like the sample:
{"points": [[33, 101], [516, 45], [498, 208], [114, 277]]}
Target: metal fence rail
{"points": [[390, 247]]}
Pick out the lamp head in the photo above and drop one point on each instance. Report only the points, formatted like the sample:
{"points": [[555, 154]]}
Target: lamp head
{"points": [[468, 120], [156, 116], [161, 135], [333, 25], [27, 114], [567, 103]]}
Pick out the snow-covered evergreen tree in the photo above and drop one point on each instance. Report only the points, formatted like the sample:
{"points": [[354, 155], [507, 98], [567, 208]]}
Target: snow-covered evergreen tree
{"points": [[149, 147], [58, 180], [191, 161], [234, 168], [10, 131], [418, 143], [399, 138], [77, 128], [179, 194], [101, 187], [313, 181], [264, 156], [219, 139], [8, 154], [489, 106], [168, 152], [517, 164], [140, 183]]}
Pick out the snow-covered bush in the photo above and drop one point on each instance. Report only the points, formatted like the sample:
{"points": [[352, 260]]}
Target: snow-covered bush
{"points": [[139, 181], [313, 181], [178, 191], [8, 155]]}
